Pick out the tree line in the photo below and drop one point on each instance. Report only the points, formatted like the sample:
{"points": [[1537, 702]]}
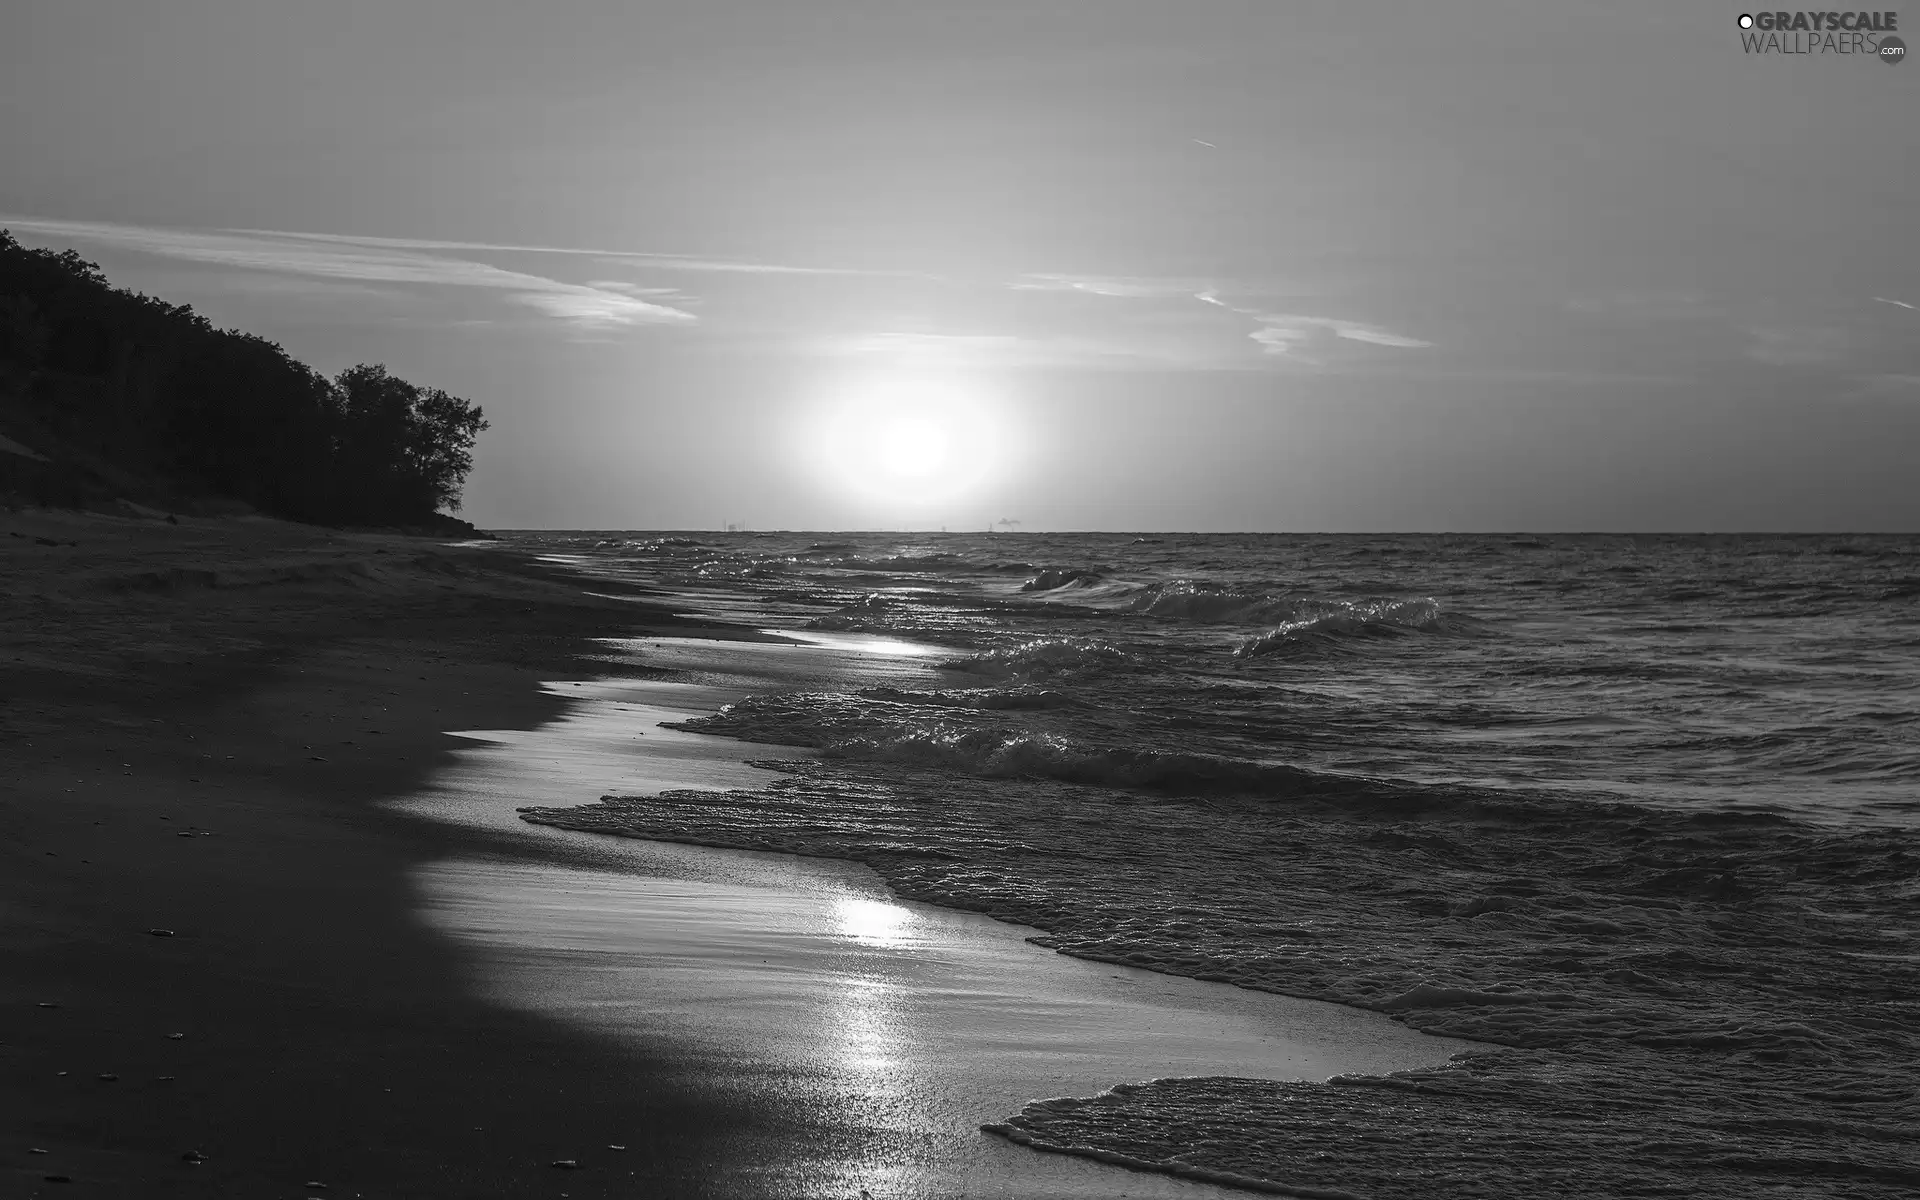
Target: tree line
{"points": [[152, 390]]}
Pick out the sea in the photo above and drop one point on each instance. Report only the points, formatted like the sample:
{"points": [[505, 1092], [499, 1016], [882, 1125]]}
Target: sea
{"points": [[1739, 673], [1640, 813]]}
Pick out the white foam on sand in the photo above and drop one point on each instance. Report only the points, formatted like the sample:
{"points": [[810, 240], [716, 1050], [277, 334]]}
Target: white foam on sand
{"points": [[880, 1033]]}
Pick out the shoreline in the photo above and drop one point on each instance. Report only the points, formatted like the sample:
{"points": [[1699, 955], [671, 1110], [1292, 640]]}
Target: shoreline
{"points": [[304, 677], [223, 679], [885, 1032], [1654, 1012], [1655, 991]]}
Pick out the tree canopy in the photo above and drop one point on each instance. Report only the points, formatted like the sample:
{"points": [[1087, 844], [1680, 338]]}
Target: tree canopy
{"points": [[153, 390]]}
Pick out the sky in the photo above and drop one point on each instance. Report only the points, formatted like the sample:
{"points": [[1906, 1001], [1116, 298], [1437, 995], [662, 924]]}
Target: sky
{"points": [[1093, 265]]}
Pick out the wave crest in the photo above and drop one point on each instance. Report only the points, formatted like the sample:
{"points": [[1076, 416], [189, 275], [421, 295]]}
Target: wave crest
{"points": [[939, 730], [1044, 658], [1341, 623], [980, 698], [1000, 752], [1054, 579]]}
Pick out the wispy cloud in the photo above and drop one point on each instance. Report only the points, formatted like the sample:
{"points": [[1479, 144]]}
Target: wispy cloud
{"points": [[1896, 303], [1288, 333], [1277, 334], [335, 259], [1356, 332], [1123, 286], [665, 262], [947, 351], [632, 289]]}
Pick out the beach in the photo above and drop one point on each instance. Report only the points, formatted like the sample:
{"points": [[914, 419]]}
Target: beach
{"points": [[308, 885], [934, 601], [258, 686], [276, 921]]}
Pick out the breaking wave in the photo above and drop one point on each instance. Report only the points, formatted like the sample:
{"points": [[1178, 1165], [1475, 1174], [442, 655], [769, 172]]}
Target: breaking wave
{"points": [[929, 729], [1044, 658], [1054, 580], [1004, 753], [872, 613], [1335, 624], [980, 698]]}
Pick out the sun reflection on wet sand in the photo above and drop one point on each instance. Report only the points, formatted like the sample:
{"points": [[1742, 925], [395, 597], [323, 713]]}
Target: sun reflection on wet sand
{"points": [[864, 643], [883, 1033], [873, 922], [867, 1023]]}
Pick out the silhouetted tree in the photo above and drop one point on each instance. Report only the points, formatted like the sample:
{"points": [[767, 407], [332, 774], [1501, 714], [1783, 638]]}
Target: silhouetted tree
{"points": [[23, 339], [407, 448], [155, 390]]}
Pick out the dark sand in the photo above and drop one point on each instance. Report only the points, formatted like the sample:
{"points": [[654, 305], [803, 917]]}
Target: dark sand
{"points": [[225, 679]]}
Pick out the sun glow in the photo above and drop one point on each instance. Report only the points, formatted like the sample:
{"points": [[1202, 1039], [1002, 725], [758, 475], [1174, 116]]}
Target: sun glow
{"points": [[908, 440], [911, 447]]}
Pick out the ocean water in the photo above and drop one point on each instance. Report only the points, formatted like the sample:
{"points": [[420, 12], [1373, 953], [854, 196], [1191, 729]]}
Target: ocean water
{"points": [[1636, 813], [1746, 673]]}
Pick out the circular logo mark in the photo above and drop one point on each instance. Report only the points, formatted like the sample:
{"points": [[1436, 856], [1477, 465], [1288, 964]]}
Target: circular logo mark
{"points": [[1892, 49], [1746, 20]]}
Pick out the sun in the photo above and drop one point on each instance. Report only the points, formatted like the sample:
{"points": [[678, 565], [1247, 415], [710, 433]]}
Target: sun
{"points": [[911, 447], [907, 440]]}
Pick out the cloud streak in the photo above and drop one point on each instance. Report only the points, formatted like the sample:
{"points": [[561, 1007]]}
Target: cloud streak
{"points": [[665, 262], [948, 351], [336, 259], [1123, 286], [1284, 334], [1278, 334]]}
